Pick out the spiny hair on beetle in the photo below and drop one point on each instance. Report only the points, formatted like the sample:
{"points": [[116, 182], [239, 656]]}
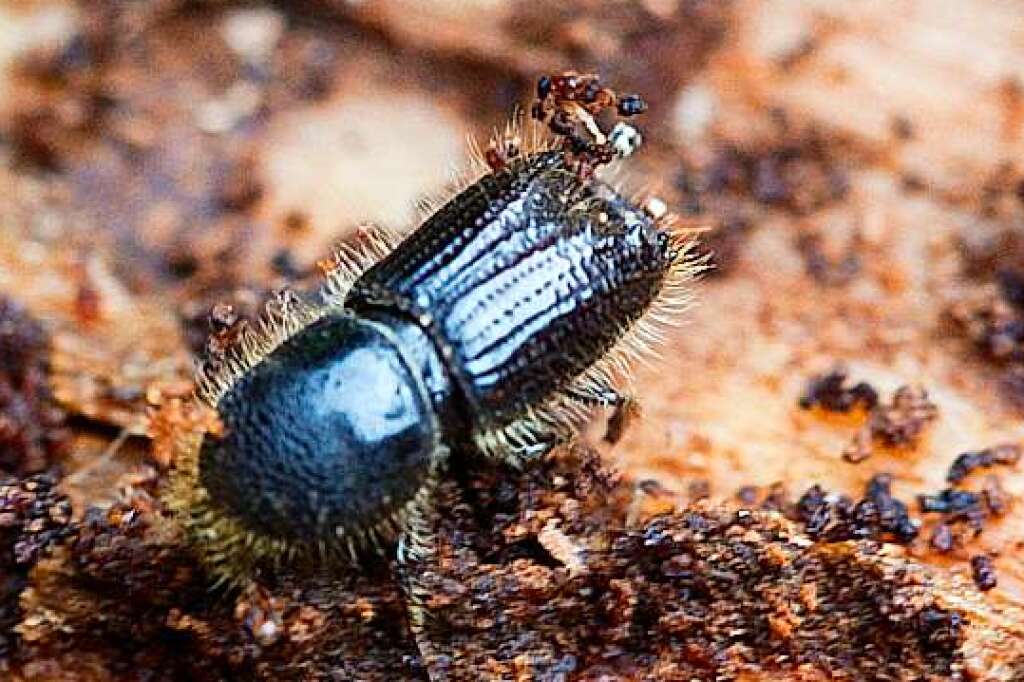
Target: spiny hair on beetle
{"points": [[518, 305]]}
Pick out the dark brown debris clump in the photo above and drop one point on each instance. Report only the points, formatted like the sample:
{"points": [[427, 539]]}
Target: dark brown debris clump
{"points": [[703, 594], [796, 171], [960, 509], [124, 593], [535, 574], [831, 517], [877, 516], [896, 424], [965, 463], [800, 172], [993, 319], [984, 572], [32, 433], [831, 392], [33, 517], [990, 315], [963, 513], [827, 268]]}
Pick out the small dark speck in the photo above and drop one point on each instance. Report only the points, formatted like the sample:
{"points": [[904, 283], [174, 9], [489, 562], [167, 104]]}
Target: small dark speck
{"points": [[902, 128], [984, 572], [284, 265]]}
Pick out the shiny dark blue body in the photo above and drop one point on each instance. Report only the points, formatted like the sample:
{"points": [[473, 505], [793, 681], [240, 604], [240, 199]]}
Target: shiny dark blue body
{"points": [[497, 302], [333, 431]]}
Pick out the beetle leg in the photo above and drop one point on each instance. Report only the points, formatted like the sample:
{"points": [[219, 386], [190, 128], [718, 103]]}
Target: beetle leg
{"points": [[624, 414], [526, 439], [625, 408], [525, 454], [600, 397], [417, 561]]}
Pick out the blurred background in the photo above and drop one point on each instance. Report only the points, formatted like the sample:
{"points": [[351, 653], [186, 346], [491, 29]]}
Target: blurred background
{"points": [[857, 166]]}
